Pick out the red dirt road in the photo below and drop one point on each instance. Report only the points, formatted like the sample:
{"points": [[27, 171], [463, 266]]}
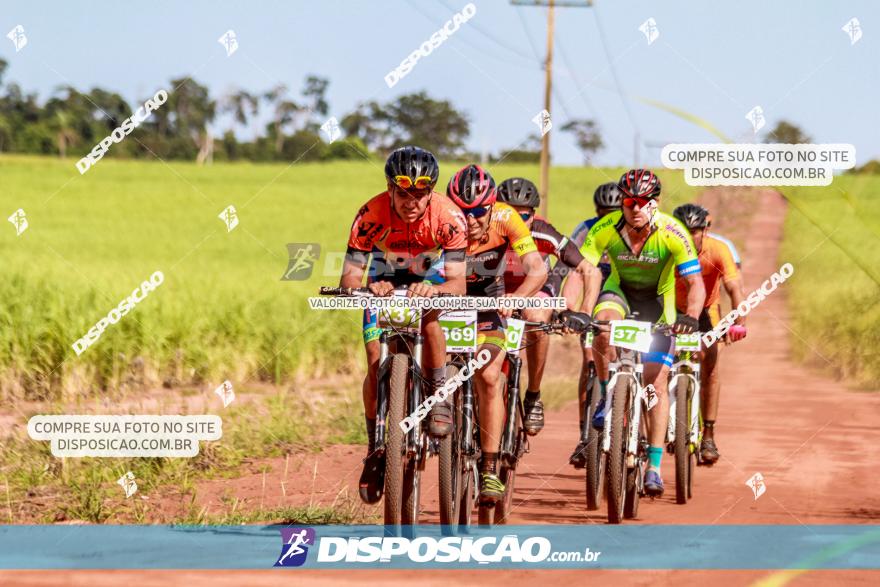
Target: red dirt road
{"points": [[811, 438]]}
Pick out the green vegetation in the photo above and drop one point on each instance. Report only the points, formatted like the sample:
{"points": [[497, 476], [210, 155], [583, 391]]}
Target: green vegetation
{"points": [[223, 311], [835, 288]]}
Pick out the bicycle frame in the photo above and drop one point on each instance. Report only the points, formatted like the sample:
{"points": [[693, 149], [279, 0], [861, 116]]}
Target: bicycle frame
{"points": [[628, 365], [414, 340]]}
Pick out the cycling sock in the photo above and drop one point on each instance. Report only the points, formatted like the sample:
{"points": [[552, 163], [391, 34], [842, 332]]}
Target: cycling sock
{"points": [[708, 429], [487, 464], [655, 455], [371, 434], [532, 396], [603, 388], [437, 377]]}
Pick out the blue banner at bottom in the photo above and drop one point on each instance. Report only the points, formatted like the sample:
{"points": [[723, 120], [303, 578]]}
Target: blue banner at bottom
{"points": [[435, 547]]}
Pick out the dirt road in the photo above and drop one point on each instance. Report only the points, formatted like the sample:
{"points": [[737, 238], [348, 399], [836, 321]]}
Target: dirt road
{"points": [[811, 438]]}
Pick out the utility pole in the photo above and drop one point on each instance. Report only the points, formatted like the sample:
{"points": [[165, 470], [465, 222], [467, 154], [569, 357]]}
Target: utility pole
{"points": [[544, 187]]}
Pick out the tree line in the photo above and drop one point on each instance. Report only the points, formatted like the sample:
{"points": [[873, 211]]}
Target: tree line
{"points": [[194, 125]]}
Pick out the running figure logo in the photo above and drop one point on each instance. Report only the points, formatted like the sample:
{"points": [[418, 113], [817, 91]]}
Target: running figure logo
{"points": [[229, 217], [229, 42], [19, 221], [854, 30], [18, 38], [331, 129], [542, 119], [756, 482], [756, 117], [302, 259], [650, 30], [295, 544]]}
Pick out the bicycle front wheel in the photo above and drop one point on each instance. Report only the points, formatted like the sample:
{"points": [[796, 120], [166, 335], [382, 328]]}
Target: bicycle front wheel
{"points": [[616, 462], [395, 459], [451, 465], [682, 431]]}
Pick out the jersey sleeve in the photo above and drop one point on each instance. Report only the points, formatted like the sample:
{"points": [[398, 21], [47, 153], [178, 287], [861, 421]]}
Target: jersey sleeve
{"points": [[594, 245], [729, 269], [364, 229], [453, 231], [518, 235], [684, 253]]}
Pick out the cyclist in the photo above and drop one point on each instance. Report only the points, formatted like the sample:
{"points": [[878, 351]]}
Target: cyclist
{"points": [[645, 247], [493, 227], [405, 229], [522, 195], [719, 266], [606, 199]]}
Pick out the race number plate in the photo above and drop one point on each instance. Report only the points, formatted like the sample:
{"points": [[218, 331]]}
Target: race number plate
{"points": [[400, 318], [515, 330], [687, 342], [460, 329], [631, 334]]}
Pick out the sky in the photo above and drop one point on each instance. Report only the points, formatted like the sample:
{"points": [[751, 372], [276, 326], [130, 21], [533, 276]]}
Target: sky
{"points": [[713, 60]]}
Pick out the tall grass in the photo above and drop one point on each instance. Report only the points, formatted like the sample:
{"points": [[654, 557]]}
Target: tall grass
{"points": [[831, 238], [222, 311]]}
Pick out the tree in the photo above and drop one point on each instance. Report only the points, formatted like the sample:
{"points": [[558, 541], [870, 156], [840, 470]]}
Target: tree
{"points": [[787, 132], [315, 92], [417, 119], [191, 110], [285, 111], [586, 136]]}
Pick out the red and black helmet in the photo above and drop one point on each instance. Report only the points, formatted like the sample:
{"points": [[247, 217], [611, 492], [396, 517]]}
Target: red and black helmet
{"points": [[639, 183], [471, 187]]}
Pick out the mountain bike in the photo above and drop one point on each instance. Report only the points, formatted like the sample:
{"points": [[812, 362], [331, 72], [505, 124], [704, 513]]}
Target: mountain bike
{"points": [[400, 391], [514, 441], [683, 434], [624, 437]]}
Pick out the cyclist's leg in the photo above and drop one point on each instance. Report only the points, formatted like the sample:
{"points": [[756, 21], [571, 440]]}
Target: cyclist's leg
{"points": [[371, 481], [536, 354], [611, 305], [434, 369], [657, 363], [710, 386], [490, 397]]}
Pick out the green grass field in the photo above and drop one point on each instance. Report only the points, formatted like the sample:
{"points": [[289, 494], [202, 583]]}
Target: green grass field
{"points": [[835, 290], [223, 311]]}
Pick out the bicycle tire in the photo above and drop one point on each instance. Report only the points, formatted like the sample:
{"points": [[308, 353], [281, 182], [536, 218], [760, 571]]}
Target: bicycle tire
{"points": [[394, 443], [682, 431], [615, 477], [594, 469], [449, 463]]}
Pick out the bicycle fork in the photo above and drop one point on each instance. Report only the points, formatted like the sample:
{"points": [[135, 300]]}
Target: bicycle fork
{"points": [[508, 439]]}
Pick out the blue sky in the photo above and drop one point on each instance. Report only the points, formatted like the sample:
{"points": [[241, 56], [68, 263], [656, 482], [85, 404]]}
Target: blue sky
{"points": [[713, 59]]}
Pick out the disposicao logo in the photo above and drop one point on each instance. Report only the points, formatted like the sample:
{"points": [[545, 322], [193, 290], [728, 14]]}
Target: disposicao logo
{"points": [[295, 544]]}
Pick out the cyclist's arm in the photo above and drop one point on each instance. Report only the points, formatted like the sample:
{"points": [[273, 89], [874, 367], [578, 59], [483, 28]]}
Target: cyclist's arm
{"points": [[353, 268], [731, 278], [536, 274], [587, 275], [454, 268], [594, 245], [696, 295]]}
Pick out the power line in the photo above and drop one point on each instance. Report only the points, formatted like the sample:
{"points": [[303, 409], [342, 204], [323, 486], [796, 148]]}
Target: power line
{"points": [[614, 75]]}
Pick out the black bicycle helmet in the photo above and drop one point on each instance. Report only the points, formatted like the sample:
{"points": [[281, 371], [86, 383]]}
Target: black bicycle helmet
{"points": [[518, 191], [607, 195], [413, 162], [471, 187], [639, 183], [693, 216]]}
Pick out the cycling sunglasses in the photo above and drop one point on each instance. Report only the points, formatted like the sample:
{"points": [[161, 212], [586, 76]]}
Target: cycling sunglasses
{"points": [[631, 202], [478, 212], [525, 216], [406, 182]]}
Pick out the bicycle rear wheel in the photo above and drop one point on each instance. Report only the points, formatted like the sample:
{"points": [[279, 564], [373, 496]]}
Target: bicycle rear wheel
{"points": [[616, 475], [395, 459]]}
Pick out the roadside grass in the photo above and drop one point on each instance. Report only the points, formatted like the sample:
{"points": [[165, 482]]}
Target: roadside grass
{"points": [[835, 303], [223, 311]]}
